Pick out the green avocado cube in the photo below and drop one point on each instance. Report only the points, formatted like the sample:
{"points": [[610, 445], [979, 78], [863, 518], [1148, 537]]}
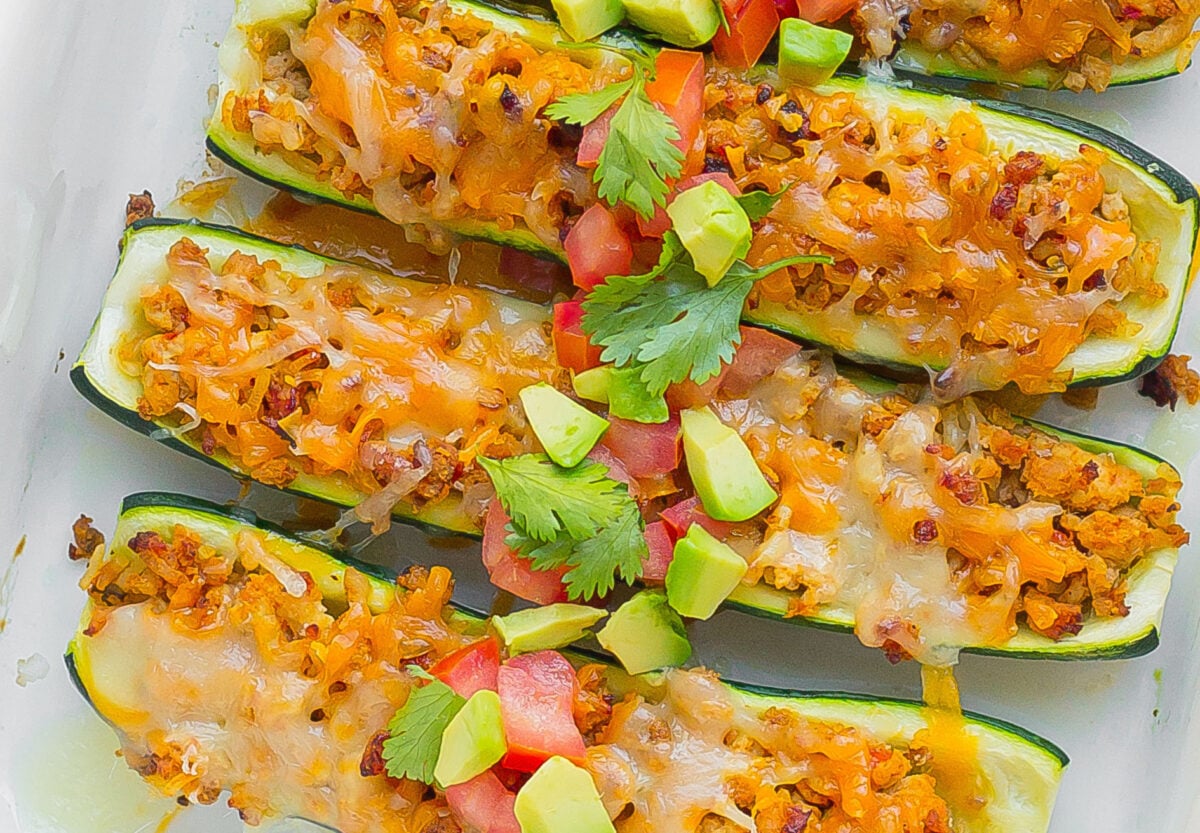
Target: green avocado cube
{"points": [[687, 23], [645, 634], [728, 481], [585, 19], [561, 798], [703, 572], [473, 741], [713, 227], [545, 628], [810, 54], [566, 429], [594, 384]]}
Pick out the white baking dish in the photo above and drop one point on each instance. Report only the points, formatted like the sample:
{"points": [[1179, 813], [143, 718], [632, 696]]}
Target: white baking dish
{"points": [[102, 99]]}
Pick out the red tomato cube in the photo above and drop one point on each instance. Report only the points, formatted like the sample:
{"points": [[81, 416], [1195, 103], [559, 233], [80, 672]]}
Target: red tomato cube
{"points": [[537, 705], [750, 31], [646, 450], [471, 668], [510, 572], [597, 248], [571, 345], [682, 515], [662, 549], [484, 804]]}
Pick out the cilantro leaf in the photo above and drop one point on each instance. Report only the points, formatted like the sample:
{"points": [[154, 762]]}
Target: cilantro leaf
{"points": [[675, 326], [758, 204], [585, 108], [619, 548], [545, 499], [638, 155], [416, 730]]}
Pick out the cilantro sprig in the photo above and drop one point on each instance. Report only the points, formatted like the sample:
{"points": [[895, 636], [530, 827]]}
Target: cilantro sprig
{"points": [[577, 517], [669, 322], [639, 155], [415, 731]]}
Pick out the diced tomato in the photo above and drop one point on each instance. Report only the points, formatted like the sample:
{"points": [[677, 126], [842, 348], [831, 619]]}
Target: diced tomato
{"points": [[483, 804], [471, 668], [596, 248], [658, 225], [537, 701], [759, 354], [510, 572], [688, 394], [616, 469], [678, 87], [750, 30], [662, 550], [571, 345], [682, 515], [595, 134], [825, 11], [787, 8], [646, 450]]}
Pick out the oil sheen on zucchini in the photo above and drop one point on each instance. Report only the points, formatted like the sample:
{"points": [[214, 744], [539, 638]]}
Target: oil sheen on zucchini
{"points": [[1163, 204], [99, 376], [1023, 769]]}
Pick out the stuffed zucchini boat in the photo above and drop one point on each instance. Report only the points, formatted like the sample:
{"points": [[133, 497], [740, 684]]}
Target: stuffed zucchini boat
{"points": [[986, 241], [231, 657], [360, 388]]}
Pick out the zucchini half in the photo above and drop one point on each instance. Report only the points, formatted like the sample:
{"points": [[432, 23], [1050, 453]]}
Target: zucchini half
{"points": [[914, 58], [99, 376], [1163, 204], [1023, 768]]}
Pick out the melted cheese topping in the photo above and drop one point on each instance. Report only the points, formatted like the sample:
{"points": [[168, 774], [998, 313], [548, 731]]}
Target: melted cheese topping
{"points": [[935, 527], [348, 372]]}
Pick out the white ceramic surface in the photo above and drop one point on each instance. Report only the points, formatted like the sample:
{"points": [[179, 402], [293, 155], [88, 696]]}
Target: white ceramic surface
{"points": [[103, 98]]}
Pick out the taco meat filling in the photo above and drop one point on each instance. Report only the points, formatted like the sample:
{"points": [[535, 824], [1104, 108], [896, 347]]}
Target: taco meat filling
{"points": [[935, 525], [994, 261]]}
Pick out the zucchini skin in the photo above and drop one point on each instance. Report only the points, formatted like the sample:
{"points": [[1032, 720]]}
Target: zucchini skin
{"points": [[188, 505], [755, 601], [1147, 350]]}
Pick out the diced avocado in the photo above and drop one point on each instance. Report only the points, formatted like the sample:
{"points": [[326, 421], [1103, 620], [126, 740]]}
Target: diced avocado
{"points": [[264, 12], [681, 22], [727, 480], [567, 430], [585, 19], [703, 572], [473, 741], [646, 634], [629, 399], [593, 385], [713, 227], [544, 628], [561, 798], [810, 54]]}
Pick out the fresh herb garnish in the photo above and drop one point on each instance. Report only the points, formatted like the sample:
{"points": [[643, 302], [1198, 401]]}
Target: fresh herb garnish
{"points": [[618, 548], [416, 729], [758, 204], [577, 517], [669, 321], [639, 154]]}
